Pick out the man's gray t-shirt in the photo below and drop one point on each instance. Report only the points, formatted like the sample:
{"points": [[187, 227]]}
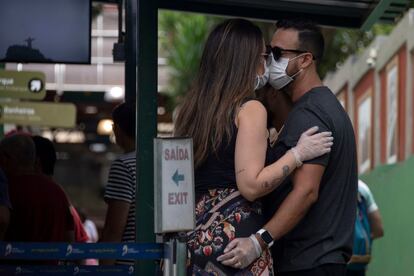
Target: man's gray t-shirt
{"points": [[325, 234]]}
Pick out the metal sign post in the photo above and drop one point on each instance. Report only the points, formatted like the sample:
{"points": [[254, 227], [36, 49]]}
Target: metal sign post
{"points": [[174, 198]]}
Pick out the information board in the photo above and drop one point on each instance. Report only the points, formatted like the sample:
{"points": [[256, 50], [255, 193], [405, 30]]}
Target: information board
{"points": [[174, 185], [22, 85], [38, 114]]}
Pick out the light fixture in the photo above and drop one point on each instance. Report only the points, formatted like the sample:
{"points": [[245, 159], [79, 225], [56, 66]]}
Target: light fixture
{"points": [[104, 127], [116, 93], [372, 57], [90, 109]]}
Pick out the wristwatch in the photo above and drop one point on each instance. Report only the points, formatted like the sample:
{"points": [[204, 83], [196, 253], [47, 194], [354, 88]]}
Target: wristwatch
{"points": [[266, 237]]}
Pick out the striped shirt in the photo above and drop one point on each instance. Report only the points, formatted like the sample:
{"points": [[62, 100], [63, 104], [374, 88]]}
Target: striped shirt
{"points": [[121, 186]]}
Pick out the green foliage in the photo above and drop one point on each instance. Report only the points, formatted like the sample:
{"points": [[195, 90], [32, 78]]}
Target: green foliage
{"points": [[341, 43], [182, 37], [96, 9], [181, 40]]}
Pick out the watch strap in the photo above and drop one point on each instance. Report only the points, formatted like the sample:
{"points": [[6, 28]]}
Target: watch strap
{"points": [[266, 237]]}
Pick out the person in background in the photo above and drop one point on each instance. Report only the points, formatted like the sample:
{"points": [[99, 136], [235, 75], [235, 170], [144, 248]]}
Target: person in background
{"points": [[5, 205], [120, 189], [45, 164], [89, 226], [91, 231], [41, 210], [368, 227], [45, 155]]}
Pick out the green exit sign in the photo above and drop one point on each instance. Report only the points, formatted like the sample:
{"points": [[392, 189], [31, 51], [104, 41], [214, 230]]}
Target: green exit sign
{"points": [[22, 85]]}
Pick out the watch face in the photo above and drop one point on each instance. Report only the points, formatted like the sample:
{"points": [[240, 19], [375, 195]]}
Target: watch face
{"points": [[267, 238]]}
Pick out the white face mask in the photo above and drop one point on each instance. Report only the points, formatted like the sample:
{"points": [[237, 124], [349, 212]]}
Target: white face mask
{"points": [[278, 77], [261, 80]]}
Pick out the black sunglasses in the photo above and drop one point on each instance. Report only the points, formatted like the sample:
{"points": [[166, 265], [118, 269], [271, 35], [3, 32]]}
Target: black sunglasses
{"points": [[277, 51]]}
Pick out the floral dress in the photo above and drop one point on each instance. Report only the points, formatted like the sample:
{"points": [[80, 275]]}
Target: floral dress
{"points": [[221, 216]]}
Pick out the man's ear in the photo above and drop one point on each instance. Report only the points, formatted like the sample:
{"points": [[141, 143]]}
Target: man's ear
{"points": [[307, 60]]}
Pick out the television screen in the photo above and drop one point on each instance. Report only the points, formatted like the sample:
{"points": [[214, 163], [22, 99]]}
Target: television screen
{"points": [[45, 31]]}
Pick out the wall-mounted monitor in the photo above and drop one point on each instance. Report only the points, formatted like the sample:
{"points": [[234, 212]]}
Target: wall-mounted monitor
{"points": [[45, 31]]}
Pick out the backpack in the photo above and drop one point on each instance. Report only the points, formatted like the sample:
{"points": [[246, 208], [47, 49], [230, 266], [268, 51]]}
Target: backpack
{"points": [[361, 254]]}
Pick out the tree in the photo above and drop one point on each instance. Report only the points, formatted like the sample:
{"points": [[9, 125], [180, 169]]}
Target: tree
{"points": [[181, 41], [340, 43], [182, 37]]}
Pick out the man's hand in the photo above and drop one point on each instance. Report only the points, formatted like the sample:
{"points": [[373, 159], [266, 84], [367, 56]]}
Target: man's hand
{"points": [[241, 252]]}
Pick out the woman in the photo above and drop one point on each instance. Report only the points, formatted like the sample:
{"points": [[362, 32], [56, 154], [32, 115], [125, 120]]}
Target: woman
{"points": [[222, 118]]}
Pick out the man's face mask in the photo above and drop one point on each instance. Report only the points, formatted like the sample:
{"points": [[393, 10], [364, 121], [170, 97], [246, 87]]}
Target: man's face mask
{"points": [[278, 76]]}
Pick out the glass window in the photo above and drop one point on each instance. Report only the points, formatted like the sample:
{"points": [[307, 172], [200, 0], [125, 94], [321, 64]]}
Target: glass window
{"points": [[108, 45], [110, 18], [94, 47], [342, 98], [392, 111], [364, 132], [113, 74], [81, 74]]}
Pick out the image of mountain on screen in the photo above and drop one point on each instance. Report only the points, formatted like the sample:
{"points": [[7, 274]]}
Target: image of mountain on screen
{"points": [[25, 53]]}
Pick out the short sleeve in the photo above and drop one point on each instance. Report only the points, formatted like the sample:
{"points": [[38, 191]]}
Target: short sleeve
{"points": [[298, 122], [365, 192], [120, 184]]}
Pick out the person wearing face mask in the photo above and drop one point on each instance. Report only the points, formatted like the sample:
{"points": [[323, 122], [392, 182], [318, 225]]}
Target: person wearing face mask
{"points": [[231, 149], [311, 215]]}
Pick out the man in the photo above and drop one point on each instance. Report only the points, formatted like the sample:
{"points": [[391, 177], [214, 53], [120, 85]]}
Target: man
{"points": [[311, 216], [45, 155], [45, 164], [40, 207], [368, 227], [120, 190]]}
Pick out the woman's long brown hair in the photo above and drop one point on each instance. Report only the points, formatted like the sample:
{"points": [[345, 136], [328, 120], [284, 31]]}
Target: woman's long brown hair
{"points": [[226, 77]]}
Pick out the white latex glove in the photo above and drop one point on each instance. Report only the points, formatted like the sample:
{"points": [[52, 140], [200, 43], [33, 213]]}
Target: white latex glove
{"points": [[241, 252], [312, 145]]}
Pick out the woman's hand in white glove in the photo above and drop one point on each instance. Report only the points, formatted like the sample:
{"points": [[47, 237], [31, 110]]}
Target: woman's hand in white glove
{"points": [[241, 252], [312, 144]]}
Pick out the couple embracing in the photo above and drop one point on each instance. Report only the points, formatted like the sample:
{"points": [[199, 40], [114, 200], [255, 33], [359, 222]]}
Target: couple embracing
{"points": [[285, 209]]}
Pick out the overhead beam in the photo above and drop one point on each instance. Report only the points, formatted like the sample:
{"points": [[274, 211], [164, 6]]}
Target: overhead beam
{"points": [[339, 18], [376, 14]]}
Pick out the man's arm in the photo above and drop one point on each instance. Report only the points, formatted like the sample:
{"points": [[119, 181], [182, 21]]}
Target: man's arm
{"points": [[115, 222], [375, 222], [306, 181], [374, 215]]}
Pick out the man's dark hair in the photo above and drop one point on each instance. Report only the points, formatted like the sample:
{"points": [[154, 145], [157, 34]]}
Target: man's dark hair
{"points": [[45, 151], [123, 116], [310, 35]]}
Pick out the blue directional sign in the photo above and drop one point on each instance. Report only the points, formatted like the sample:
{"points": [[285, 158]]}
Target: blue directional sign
{"points": [[177, 177]]}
